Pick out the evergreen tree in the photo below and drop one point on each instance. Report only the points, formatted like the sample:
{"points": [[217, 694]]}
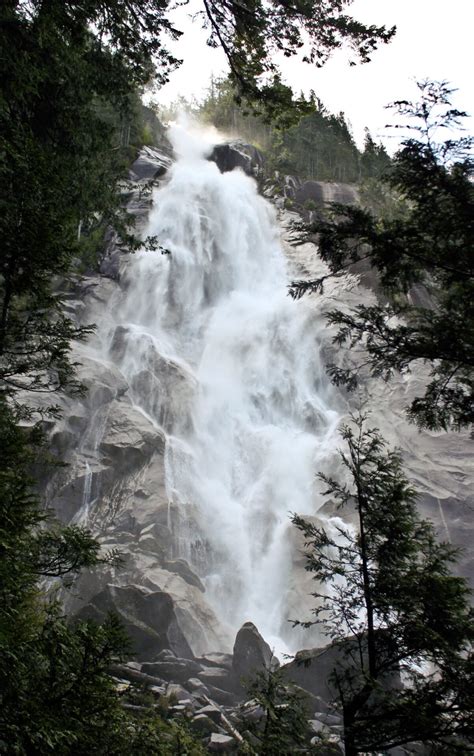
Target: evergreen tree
{"points": [[374, 161], [399, 620], [251, 32], [430, 242], [283, 726]]}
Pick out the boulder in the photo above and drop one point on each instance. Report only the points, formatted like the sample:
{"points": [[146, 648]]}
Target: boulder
{"points": [[177, 692], [129, 438], [237, 154], [151, 163], [202, 724], [178, 670], [251, 652], [221, 743], [148, 617]]}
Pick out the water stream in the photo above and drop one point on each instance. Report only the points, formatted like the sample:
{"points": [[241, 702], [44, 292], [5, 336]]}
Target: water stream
{"points": [[221, 358]]}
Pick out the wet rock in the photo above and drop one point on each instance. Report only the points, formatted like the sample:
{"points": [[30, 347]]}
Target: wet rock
{"points": [[150, 164], [251, 652], [129, 439]]}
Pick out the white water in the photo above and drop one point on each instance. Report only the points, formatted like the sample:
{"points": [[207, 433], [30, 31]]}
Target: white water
{"points": [[257, 418]]}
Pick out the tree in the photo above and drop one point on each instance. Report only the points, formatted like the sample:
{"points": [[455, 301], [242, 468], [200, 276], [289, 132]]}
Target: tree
{"points": [[251, 32], [430, 242], [66, 96], [283, 725], [399, 620]]}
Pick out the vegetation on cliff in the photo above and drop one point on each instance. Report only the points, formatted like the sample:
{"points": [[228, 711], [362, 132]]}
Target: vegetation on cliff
{"points": [[319, 146], [428, 243]]}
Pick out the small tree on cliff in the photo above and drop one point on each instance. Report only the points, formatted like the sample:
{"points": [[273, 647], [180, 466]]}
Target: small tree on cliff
{"points": [[401, 621]]}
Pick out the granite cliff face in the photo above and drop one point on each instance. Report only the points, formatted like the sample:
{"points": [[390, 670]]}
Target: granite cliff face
{"points": [[208, 412]]}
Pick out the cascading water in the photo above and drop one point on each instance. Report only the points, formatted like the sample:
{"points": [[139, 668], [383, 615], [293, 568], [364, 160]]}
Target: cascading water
{"points": [[219, 356]]}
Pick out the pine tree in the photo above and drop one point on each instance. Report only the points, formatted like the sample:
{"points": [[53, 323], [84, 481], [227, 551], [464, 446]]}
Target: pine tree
{"points": [[429, 241], [399, 619], [283, 725]]}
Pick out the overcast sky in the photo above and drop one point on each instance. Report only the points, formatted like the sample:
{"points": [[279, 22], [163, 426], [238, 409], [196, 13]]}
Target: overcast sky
{"points": [[434, 39]]}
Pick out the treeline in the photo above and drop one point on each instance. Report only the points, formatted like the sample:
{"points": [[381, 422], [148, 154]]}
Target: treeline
{"points": [[320, 146]]}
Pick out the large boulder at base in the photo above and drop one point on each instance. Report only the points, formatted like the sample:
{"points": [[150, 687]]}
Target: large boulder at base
{"points": [[251, 651], [148, 616]]}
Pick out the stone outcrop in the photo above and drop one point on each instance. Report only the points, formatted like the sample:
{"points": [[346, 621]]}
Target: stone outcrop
{"points": [[251, 652], [308, 196], [236, 154]]}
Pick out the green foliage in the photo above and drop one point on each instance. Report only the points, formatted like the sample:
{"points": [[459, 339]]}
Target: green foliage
{"points": [[392, 607], [284, 725], [427, 239], [314, 144], [69, 115], [374, 161], [251, 32]]}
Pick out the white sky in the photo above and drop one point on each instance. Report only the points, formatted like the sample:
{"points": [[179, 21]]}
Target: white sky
{"points": [[433, 40]]}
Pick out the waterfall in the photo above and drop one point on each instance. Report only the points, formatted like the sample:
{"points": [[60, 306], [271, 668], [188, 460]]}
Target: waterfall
{"points": [[229, 366]]}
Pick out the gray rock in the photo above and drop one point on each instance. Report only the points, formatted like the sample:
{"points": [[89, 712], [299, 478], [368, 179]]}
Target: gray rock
{"points": [[216, 660], [150, 164], [221, 743], [176, 691], [237, 155], [321, 193], [179, 670], [251, 652], [212, 712], [129, 439], [224, 679], [148, 617], [224, 697]]}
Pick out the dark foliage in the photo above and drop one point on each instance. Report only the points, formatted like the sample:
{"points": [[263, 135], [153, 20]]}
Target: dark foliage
{"points": [[283, 726], [430, 244], [251, 32], [399, 618]]}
